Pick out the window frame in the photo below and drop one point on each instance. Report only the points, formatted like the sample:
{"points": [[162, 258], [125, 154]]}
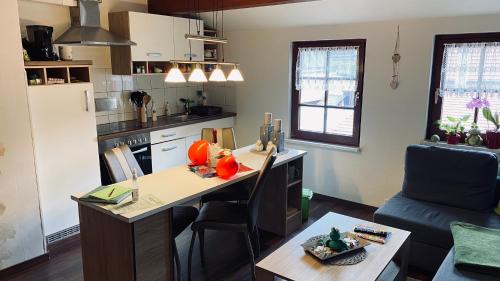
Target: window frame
{"points": [[434, 108], [295, 133]]}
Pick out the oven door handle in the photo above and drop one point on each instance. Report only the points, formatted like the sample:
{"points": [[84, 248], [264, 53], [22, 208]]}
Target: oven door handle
{"points": [[140, 150]]}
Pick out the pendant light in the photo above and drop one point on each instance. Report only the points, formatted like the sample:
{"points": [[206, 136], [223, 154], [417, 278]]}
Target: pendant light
{"points": [[217, 75], [197, 75], [175, 75], [235, 75]]}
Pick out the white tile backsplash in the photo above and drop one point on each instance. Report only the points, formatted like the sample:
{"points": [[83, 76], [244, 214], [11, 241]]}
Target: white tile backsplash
{"points": [[108, 85]]}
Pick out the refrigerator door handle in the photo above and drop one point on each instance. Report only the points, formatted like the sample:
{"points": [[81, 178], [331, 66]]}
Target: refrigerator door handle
{"points": [[87, 100]]}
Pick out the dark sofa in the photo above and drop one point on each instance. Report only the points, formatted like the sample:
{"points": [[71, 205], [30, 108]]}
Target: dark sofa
{"points": [[441, 185]]}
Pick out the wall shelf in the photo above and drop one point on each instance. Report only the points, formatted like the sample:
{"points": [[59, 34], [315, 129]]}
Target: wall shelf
{"points": [[57, 72]]}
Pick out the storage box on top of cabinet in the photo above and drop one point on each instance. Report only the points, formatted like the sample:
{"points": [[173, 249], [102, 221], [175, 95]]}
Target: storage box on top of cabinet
{"points": [[159, 39]]}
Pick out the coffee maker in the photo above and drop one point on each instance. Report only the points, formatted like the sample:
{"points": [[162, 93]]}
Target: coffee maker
{"points": [[40, 42]]}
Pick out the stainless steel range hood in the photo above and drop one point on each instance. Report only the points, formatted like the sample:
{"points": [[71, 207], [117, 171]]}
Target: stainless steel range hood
{"points": [[86, 28]]}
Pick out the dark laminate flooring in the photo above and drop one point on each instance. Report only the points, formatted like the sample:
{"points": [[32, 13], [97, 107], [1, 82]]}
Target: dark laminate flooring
{"points": [[225, 252]]}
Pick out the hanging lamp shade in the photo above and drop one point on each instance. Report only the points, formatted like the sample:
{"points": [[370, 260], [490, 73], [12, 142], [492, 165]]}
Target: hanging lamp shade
{"points": [[217, 75], [197, 75], [235, 75], [175, 75]]}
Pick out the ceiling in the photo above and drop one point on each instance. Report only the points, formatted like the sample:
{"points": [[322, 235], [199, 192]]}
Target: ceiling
{"points": [[325, 12]]}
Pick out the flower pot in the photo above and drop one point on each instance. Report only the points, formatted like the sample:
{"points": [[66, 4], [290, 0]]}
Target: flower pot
{"points": [[493, 139], [453, 139]]}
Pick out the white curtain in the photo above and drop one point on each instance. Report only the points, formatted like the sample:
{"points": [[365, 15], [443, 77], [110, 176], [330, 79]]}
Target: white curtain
{"points": [[322, 67], [471, 70]]}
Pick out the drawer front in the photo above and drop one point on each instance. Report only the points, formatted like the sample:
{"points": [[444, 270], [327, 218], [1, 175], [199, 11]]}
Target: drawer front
{"points": [[189, 130], [168, 154]]}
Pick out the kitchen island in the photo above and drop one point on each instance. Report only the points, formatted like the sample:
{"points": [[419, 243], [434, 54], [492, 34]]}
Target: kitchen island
{"points": [[138, 245]]}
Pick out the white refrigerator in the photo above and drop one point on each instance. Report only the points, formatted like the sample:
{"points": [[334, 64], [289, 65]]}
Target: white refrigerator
{"points": [[66, 153]]}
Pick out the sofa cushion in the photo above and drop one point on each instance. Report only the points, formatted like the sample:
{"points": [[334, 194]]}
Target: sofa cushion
{"points": [[460, 178], [447, 271], [429, 222]]}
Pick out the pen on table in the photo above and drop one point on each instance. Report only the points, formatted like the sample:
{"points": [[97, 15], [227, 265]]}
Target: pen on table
{"points": [[112, 190]]}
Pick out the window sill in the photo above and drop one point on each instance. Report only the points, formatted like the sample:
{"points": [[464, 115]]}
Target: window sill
{"points": [[461, 146], [324, 145]]}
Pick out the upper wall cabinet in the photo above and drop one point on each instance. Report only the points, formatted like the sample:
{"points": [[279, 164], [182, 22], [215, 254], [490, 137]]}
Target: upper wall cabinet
{"points": [[182, 26], [72, 3], [153, 35], [159, 40]]}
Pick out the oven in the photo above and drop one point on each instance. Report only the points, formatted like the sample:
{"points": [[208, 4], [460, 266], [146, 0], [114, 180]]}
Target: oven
{"points": [[140, 145]]}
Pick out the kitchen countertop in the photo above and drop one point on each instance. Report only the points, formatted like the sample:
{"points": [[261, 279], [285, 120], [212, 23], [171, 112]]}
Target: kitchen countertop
{"points": [[126, 128]]}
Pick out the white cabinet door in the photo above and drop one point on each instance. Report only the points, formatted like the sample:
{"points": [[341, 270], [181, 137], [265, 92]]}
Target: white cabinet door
{"points": [[66, 155], [181, 28], [168, 154], [189, 141], [153, 35]]}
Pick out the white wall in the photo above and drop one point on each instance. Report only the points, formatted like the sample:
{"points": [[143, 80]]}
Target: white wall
{"points": [[391, 120], [21, 235]]}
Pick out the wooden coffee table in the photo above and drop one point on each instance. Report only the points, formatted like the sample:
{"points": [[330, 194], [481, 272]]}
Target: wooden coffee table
{"points": [[290, 262]]}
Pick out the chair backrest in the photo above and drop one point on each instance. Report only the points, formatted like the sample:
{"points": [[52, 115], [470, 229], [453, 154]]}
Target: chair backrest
{"points": [[120, 162], [454, 177], [257, 191], [224, 136]]}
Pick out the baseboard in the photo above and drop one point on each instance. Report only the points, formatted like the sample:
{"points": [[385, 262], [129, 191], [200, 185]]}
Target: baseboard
{"points": [[8, 272], [63, 245], [323, 197]]}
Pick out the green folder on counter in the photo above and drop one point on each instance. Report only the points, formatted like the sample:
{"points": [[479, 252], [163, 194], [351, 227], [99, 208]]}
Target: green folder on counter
{"points": [[108, 194]]}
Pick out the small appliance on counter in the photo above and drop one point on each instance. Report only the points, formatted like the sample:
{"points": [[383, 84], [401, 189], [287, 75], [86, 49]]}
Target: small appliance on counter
{"points": [[39, 43]]}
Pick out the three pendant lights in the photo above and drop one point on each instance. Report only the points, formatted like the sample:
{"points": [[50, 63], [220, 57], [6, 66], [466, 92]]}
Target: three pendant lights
{"points": [[175, 75]]}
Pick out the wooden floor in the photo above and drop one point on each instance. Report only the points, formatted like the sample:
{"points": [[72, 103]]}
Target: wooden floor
{"points": [[225, 252]]}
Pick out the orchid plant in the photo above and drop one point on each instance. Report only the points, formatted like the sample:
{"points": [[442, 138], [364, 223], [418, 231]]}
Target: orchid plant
{"points": [[484, 104]]}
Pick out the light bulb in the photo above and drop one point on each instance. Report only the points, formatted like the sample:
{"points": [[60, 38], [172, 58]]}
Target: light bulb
{"points": [[235, 75], [217, 75], [197, 75], [175, 75]]}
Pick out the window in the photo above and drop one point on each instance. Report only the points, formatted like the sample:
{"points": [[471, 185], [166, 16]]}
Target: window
{"points": [[465, 72], [327, 90]]}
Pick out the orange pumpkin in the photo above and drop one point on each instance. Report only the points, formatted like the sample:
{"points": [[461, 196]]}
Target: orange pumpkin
{"points": [[227, 167], [198, 152]]}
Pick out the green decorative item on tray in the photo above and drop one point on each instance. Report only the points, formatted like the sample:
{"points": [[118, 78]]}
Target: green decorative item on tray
{"points": [[334, 244]]}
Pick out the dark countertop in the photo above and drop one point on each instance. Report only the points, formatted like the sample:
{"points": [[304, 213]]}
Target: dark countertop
{"points": [[126, 128]]}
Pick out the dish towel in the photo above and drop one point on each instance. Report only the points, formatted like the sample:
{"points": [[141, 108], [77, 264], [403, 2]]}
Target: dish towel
{"points": [[476, 248]]}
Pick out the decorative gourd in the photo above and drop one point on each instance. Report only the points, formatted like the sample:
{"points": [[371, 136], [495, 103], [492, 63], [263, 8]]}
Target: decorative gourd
{"points": [[227, 167], [198, 152]]}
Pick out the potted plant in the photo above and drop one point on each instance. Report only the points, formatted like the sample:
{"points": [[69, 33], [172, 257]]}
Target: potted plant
{"points": [[492, 136], [453, 128]]}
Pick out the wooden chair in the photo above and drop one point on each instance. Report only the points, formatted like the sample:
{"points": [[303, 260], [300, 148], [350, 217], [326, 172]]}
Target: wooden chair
{"points": [[227, 216], [120, 163], [223, 136], [239, 192]]}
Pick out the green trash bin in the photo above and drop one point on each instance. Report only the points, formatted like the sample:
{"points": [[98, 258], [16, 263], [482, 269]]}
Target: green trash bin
{"points": [[307, 195]]}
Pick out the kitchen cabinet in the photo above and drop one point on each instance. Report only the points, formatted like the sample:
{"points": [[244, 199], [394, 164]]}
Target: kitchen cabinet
{"points": [[71, 3], [169, 154], [153, 35], [182, 51], [169, 147], [65, 144], [159, 39]]}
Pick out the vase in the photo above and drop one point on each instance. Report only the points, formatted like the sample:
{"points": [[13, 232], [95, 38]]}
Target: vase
{"points": [[453, 139], [493, 139]]}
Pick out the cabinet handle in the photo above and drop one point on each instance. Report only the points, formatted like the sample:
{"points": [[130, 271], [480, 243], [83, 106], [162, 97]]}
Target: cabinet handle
{"points": [[168, 135], [87, 100], [169, 148], [153, 54], [187, 55]]}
